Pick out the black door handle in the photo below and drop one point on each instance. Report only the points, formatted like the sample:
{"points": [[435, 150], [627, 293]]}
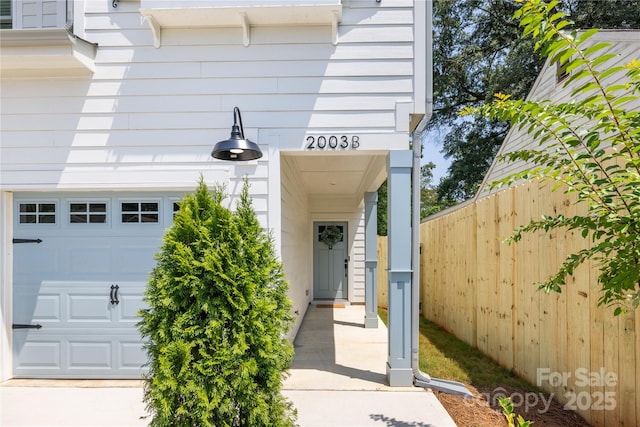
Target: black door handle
{"points": [[113, 295]]}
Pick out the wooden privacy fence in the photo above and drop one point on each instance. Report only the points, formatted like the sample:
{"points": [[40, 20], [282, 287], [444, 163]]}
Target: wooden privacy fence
{"points": [[482, 290]]}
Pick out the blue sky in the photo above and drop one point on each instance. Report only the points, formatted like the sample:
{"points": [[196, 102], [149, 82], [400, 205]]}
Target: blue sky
{"points": [[431, 153], [431, 146]]}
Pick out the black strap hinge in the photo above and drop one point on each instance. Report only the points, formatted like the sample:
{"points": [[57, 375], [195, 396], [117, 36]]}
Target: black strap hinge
{"points": [[27, 240], [22, 326]]}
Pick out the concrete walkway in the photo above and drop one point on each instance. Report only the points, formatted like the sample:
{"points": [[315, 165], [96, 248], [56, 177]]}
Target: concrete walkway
{"points": [[337, 379]]}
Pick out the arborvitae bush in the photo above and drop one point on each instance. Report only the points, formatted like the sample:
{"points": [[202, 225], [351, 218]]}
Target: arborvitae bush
{"points": [[216, 321]]}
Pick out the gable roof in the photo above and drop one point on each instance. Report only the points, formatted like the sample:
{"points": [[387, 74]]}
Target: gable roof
{"points": [[626, 43]]}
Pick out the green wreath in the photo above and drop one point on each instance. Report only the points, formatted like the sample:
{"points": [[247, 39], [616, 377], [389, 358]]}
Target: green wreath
{"points": [[331, 235]]}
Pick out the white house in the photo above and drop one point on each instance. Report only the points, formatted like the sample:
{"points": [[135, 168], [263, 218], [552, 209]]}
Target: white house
{"points": [[110, 110]]}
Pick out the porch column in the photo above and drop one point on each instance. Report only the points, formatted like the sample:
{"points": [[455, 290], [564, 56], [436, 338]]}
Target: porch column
{"points": [[399, 371], [371, 259]]}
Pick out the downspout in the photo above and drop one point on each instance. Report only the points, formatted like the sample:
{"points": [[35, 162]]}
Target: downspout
{"points": [[420, 379]]}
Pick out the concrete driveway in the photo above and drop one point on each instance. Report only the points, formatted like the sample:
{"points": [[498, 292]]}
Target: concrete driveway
{"points": [[337, 379]]}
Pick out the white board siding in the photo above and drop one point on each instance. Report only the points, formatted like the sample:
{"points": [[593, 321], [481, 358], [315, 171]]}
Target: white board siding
{"points": [[546, 87], [296, 239], [180, 96], [147, 118]]}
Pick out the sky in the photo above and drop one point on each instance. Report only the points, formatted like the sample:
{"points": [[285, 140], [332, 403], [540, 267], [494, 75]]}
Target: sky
{"points": [[431, 146], [431, 153]]}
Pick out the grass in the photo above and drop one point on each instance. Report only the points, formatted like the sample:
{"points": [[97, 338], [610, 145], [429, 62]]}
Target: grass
{"points": [[444, 356]]}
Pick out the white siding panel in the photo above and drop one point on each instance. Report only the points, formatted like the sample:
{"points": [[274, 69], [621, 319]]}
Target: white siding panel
{"points": [[374, 35], [305, 102], [133, 37], [158, 112], [266, 53], [168, 177], [11, 122], [183, 87], [296, 239], [377, 16], [345, 85], [128, 104], [124, 138], [293, 68], [177, 154], [149, 71], [129, 21]]}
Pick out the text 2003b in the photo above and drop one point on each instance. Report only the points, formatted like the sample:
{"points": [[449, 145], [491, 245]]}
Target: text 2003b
{"points": [[333, 142]]}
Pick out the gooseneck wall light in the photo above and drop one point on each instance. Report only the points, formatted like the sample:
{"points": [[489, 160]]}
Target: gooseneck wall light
{"points": [[236, 148]]}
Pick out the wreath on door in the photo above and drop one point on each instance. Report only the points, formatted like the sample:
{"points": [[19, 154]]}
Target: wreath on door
{"points": [[331, 235]]}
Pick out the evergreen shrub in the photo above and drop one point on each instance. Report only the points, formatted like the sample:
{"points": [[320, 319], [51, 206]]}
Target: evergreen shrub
{"points": [[217, 317]]}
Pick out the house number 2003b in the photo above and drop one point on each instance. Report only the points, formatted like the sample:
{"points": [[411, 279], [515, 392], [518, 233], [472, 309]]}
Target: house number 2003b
{"points": [[333, 142]]}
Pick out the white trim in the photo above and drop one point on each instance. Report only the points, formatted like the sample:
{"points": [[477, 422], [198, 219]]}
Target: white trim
{"points": [[274, 198], [420, 56], [79, 18], [6, 287]]}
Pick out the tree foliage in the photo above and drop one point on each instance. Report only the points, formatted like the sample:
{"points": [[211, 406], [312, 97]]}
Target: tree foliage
{"points": [[216, 320], [589, 146], [429, 203], [477, 52]]}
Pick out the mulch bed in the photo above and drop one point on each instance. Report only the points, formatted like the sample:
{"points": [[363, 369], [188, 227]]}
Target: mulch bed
{"points": [[483, 410]]}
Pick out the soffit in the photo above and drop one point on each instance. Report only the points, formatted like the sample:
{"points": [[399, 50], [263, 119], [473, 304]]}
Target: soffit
{"points": [[340, 175], [44, 53]]}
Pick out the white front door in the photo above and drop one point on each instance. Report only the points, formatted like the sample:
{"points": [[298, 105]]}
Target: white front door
{"points": [[81, 263], [330, 265]]}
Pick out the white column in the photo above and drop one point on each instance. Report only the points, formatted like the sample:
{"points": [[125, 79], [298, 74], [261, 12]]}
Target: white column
{"points": [[371, 259]]}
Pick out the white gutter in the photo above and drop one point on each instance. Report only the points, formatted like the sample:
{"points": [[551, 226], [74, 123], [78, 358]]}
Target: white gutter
{"points": [[420, 378]]}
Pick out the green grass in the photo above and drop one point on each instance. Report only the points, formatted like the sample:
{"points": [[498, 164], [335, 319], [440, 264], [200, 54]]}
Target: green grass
{"points": [[444, 356]]}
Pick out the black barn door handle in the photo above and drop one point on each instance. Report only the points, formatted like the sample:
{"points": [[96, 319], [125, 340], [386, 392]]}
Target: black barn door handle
{"points": [[113, 295]]}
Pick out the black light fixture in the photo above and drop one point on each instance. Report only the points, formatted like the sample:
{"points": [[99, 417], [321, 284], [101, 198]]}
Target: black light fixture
{"points": [[236, 148]]}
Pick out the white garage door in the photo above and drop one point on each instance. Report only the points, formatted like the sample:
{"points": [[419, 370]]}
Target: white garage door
{"points": [[81, 263]]}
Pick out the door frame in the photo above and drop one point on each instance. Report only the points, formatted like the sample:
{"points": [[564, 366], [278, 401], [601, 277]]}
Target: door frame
{"points": [[345, 240]]}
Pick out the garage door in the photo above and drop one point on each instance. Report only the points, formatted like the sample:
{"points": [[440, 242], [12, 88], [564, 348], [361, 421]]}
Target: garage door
{"points": [[81, 263]]}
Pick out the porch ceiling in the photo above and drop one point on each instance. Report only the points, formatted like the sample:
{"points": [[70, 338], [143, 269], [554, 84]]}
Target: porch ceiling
{"points": [[340, 174]]}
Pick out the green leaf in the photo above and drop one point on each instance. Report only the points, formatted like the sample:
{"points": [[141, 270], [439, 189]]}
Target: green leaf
{"points": [[603, 58], [595, 48], [585, 35]]}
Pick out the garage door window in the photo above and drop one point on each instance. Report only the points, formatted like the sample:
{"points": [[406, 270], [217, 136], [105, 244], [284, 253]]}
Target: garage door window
{"points": [[37, 213], [87, 213], [137, 212]]}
